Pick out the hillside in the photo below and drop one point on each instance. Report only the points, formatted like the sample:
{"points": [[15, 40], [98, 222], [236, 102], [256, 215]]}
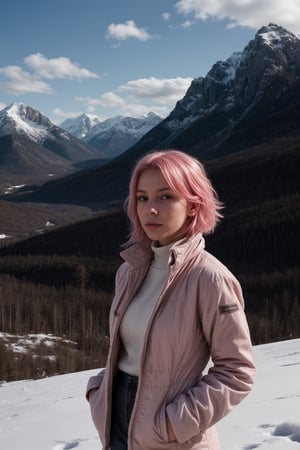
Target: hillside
{"points": [[256, 240], [19, 220], [65, 277], [256, 185], [266, 419]]}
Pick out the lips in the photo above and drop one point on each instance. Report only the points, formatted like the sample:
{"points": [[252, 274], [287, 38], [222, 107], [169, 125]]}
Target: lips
{"points": [[152, 225]]}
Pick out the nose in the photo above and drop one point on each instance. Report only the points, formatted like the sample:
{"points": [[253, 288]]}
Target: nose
{"points": [[153, 211]]}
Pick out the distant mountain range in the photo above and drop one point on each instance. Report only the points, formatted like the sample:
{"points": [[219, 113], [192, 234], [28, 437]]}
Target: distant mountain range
{"points": [[242, 120], [250, 100], [33, 149], [112, 136]]}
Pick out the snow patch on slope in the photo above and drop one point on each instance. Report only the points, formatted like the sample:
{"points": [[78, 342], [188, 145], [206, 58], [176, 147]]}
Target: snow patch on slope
{"points": [[17, 115]]}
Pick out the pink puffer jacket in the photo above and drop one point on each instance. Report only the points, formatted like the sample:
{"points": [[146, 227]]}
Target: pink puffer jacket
{"points": [[198, 315]]}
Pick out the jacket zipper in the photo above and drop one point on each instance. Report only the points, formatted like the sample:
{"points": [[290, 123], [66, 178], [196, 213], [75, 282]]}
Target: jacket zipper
{"points": [[112, 360], [143, 357]]}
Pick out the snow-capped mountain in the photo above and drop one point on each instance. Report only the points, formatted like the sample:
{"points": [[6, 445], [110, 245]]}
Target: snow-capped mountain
{"points": [[81, 126], [249, 101], [237, 102], [25, 120], [238, 84], [114, 135], [33, 148]]}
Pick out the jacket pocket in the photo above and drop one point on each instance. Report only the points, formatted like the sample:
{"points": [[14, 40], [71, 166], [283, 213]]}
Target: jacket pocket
{"points": [[160, 429], [98, 410], [92, 395], [149, 429], [160, 424]]}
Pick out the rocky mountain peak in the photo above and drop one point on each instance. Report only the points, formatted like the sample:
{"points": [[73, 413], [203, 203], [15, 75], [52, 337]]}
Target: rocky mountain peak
{"points": [[18, 113], [238, 82], [275, 46], [81, 126], [276, 36]]}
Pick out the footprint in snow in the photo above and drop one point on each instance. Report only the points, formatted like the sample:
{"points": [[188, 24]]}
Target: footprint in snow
{"points": [[66, 445], [290, 430]]}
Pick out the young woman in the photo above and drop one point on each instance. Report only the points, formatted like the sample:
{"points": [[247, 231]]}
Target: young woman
{"points": [[175, 307]]}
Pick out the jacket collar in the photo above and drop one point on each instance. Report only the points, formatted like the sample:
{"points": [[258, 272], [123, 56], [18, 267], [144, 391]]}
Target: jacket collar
{"points": [[180, 252]]}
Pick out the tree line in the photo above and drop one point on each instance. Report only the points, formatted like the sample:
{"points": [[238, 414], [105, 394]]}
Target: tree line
{"points": [[62, 282], [77, 306], [79, 315]]}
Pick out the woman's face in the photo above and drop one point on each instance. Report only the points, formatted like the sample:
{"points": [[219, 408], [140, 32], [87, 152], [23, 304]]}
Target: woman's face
{"points": [[162, 213]]}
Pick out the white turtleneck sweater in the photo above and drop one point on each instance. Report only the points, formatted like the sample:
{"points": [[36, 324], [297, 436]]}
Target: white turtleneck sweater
{"points": [[137, 315]]}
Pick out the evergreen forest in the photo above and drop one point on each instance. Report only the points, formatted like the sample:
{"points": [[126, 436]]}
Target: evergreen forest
{"points": [[61, 283]]}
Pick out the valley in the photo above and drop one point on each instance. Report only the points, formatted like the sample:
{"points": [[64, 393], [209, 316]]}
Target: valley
{"points": [[61, 238]]}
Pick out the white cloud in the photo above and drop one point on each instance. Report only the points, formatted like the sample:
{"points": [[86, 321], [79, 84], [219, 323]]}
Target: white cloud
{"points": [[22, 82], [187, 24], [2, 105], [135, 110], [61, 67], [114, 104], [162, 90], [166, 16], [141, 96], [65, 115], [90, 109], [123, 31], [106, 100], [250, 13]]}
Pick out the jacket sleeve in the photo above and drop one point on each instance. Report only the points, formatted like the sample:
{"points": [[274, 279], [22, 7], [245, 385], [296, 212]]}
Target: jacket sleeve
{"points": [[230, 378]]}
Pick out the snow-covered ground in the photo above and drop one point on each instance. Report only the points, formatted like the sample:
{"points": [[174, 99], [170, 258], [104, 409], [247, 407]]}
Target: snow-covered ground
{"points": [[52, 413], [23, 343]]}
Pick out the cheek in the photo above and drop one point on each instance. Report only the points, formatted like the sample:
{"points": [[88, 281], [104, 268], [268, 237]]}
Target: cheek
{"points": [[139, 212], [181, 215]]}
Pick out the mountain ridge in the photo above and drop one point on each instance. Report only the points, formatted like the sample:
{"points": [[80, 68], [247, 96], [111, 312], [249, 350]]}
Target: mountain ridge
{"points": [[114, 135], [217, 103], [250, 99]]}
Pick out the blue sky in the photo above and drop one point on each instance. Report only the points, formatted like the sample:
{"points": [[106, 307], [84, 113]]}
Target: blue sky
{"points": [[110, 57]]}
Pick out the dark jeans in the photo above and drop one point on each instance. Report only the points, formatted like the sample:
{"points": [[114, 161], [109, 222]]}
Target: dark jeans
{"points": [[124, 392]]}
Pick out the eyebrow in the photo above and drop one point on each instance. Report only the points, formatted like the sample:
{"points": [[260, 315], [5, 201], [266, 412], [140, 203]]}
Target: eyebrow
{"points": [[158, 190]]}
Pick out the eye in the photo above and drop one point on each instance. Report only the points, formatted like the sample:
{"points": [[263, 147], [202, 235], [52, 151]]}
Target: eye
{"points": [[141, 198], [166, 197]]}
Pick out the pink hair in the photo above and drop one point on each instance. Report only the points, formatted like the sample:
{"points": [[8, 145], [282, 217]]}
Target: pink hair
{"points": [[186, 176]]}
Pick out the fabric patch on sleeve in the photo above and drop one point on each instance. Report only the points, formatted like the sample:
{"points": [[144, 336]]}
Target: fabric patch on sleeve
{"points": [[224, 309]]}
